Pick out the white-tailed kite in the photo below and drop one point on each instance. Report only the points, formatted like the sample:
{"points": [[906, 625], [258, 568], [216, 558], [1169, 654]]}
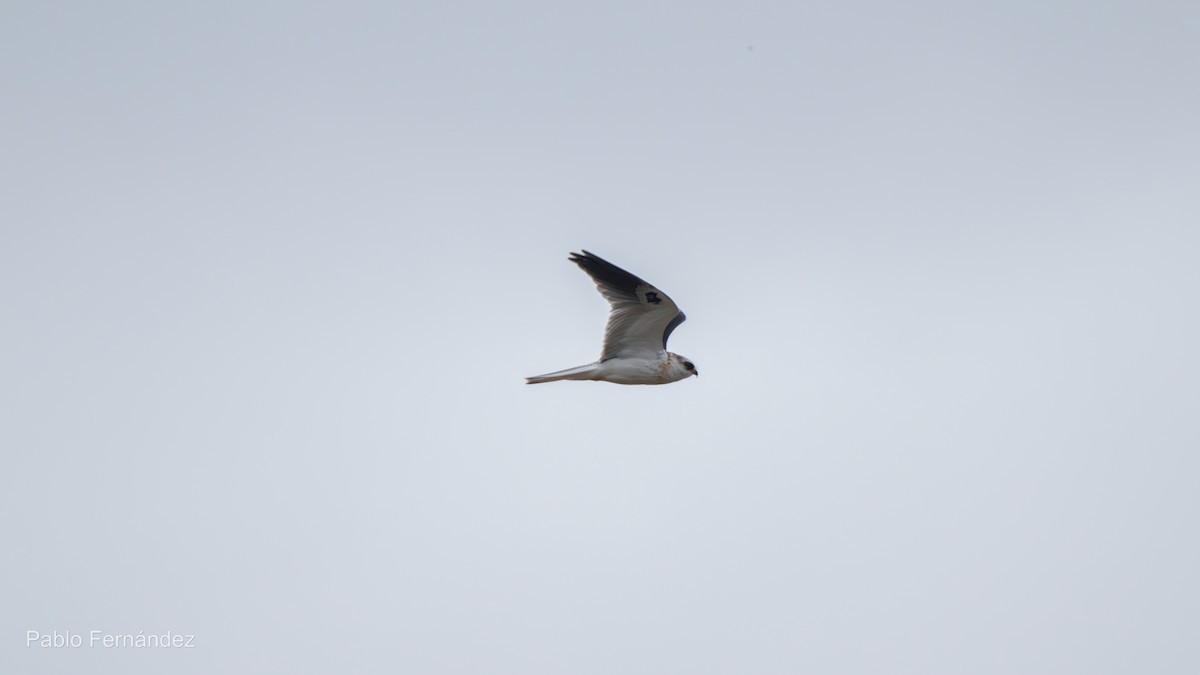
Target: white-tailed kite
{"points": [[635, 340]]}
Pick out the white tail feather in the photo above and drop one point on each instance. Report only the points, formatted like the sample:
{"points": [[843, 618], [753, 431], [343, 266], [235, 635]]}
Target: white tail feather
{"points": [[578, 373]]}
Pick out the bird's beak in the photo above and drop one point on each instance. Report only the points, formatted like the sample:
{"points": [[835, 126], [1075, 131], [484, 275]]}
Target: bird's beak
{"points": [[696, 372]]}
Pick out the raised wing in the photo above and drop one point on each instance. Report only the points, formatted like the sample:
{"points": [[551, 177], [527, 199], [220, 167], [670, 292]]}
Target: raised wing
{"points": [[642, 316]]}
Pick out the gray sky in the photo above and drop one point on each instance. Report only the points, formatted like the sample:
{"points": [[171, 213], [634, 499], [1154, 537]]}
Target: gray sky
{"points": [[271, 275]]}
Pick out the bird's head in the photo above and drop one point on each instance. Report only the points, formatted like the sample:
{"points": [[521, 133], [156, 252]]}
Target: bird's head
{"points": [[682, 367]]}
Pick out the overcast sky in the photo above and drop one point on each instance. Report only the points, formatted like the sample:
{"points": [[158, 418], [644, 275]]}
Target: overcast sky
{"points": [[271, 274]]}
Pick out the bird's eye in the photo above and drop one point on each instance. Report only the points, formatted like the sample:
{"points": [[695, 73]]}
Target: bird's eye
{"points": [[689, 365]]}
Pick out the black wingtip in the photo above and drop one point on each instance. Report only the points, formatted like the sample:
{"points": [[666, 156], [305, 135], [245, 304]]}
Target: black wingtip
{"points": [[604, 272]]}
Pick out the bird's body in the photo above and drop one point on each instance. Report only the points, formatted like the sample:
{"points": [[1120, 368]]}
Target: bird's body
{"points": [[635, 340], [668, 368]]}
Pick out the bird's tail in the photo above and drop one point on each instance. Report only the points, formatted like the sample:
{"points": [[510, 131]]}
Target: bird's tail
{"points": [[577, 373]]}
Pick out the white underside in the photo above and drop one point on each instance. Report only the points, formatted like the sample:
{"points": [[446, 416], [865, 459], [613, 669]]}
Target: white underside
{"points": [[632, 371], [618, 371]]}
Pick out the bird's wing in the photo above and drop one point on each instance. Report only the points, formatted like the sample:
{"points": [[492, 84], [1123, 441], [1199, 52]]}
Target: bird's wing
{"points": [[642, 316]]}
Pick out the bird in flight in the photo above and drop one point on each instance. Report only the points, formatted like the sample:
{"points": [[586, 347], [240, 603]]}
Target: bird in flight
{"points": [[635, 340]]}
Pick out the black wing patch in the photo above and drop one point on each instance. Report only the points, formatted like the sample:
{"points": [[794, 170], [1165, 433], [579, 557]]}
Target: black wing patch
{"points": [[679, 318], [652, 298]]}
